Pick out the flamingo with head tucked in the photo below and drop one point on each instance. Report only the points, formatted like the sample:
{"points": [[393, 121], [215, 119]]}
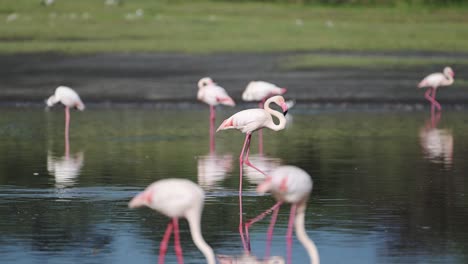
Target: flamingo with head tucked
{"points": [[289, 184], [212, 94], [433, 81], [249, 121], [177, 198], [70, 99], [261, 91]]}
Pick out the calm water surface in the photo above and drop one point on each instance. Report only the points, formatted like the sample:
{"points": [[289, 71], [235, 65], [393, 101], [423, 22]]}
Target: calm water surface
{"points": [[389, 187]]}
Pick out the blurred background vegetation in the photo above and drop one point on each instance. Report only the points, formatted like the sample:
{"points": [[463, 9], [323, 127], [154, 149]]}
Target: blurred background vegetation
{"points": [[202, 26]]}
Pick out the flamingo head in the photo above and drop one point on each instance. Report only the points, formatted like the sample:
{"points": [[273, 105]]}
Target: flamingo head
{"points": [[203, 82], [449, 71], [142, 199], [279, 100]]}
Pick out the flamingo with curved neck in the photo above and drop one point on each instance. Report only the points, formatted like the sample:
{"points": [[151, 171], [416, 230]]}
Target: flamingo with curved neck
{"points": [[433, 81], [249, 121], [177, 198]]}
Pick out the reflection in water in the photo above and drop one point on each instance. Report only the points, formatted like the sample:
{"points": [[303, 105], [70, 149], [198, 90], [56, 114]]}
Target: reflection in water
{"points": [[249, 259], [436, 143], [65, 169], [213, 168], [264, 163]]}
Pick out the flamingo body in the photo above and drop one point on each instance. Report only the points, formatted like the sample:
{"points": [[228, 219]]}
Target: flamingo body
{"points": [[250, 120], [67, 96], [177, 198], [260, 90], [437, 79], [287, 184], [212, 94]]}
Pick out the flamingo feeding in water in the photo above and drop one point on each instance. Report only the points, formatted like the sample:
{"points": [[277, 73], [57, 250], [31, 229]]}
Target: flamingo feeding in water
{"points": [[70, 99], [433, 81], [212, 94], [289, 184], [260, 91], [248, 121], [176, 198]]}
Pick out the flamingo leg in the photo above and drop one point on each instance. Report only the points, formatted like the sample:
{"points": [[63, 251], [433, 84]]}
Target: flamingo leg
{"points": [[165, 242], [289, 241], [67, 126], [259, 217], [241, 158], [212, 113], [177, 246], [433, 98], [212, 136], [248, 163], [270, 231]]}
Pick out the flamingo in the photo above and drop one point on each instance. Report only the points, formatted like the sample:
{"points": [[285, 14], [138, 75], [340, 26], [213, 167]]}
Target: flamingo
{"points": [[260, 91], [212, 94], [248, 121], [289, 184], [433, 81], [176, 198], [68, 97]]}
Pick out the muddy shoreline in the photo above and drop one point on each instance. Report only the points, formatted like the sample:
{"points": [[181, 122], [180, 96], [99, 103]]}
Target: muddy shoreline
{"points": [[172, 78]]}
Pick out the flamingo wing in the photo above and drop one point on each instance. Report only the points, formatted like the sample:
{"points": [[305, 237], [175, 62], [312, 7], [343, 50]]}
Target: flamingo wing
{"points": [[432, 80]]}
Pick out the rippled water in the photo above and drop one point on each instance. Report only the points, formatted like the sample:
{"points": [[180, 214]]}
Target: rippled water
{"points": [[388, 185]]}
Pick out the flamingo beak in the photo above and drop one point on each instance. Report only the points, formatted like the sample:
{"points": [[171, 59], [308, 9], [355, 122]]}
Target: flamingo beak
{"points": [[284, 107], [140, 200]]}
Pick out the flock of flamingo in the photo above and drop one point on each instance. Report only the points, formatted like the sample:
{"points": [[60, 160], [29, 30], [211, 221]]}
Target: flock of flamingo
{"points": [[181, 198]]}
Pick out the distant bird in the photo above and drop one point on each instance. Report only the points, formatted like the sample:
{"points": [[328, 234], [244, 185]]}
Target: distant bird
{"points": [[433, 81], [290, 184], [260, 91], [248, 121], [212, 94], [70, 99], [177, 198]]}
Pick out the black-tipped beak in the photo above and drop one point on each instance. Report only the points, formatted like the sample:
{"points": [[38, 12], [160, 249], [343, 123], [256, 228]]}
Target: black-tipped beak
{"points": [[285, 112]]}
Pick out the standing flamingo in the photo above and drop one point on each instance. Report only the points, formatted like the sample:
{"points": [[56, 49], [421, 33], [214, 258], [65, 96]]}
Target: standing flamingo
{"points": [[433, 81], [68, 97], [212, 94], [249, 121], [289, 184], [176, 198], [260, 91]]}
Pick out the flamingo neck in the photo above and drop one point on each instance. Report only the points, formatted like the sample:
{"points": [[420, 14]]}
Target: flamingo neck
{"points": [[282, 120], [195, 230], [449, 79], [302, 235]]}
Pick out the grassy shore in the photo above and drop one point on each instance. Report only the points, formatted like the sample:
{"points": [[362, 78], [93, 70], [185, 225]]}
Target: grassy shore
{"points": [[90, 26]]}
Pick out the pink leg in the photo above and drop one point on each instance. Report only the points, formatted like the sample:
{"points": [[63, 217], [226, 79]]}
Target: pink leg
{"points": [[270, 232], [212, 136], [212, 113], [67, 126], [241, 158], [178, 248], [247, 162], [164, 243], [292, 215], [260, 217], [433, 98]]}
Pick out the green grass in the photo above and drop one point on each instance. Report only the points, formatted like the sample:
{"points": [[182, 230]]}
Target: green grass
{"points": [[88, 26]]}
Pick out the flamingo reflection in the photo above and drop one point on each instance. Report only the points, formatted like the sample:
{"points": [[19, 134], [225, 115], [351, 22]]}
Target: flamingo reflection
{"points": [[246, 258], [213, 168], [65, 168], [436, 143], [263, 163]]}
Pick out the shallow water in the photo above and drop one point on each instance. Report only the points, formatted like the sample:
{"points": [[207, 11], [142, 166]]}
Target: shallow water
{"points": [[388, 185]]}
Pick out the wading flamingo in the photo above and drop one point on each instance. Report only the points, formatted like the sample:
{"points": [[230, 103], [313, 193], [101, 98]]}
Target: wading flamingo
{"points": [[260, 91], [248, 121], [433, 81], [212, 94], [70, 99], [289, 184], [176, 198]]}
